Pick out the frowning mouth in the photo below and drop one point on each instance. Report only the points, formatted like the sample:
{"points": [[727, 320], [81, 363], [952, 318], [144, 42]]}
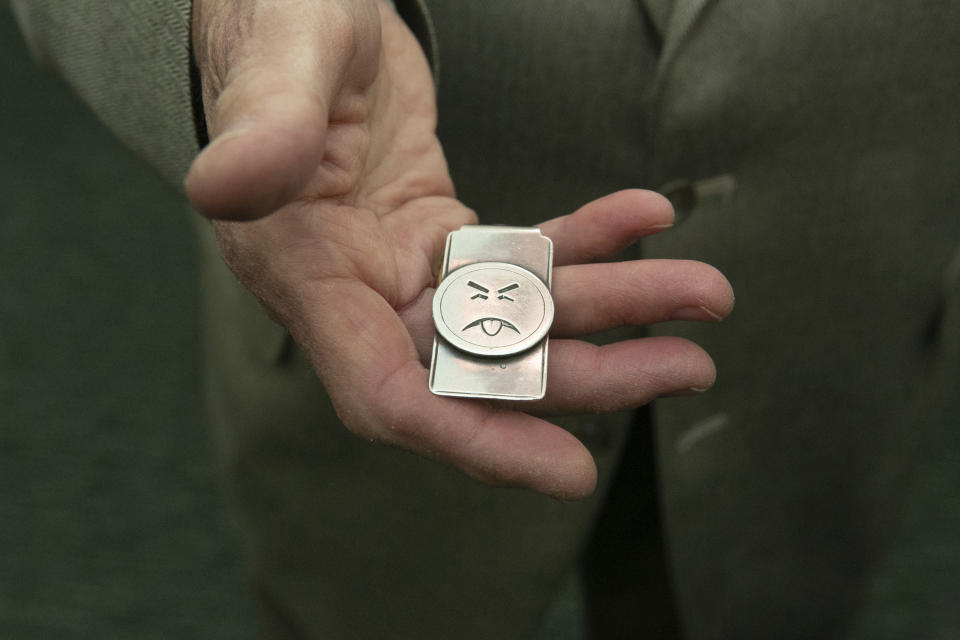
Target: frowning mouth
{"points": [[491, 326]]}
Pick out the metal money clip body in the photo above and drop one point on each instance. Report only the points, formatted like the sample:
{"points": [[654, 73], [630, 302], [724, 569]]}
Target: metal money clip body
{"points": [[492, 312]]}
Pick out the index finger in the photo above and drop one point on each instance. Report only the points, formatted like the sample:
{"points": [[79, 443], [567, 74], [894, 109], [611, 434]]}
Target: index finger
{"points": [[607, 225]]}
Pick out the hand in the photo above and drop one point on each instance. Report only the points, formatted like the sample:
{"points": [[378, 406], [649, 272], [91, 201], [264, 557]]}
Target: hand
{"points": [[322, 116]]}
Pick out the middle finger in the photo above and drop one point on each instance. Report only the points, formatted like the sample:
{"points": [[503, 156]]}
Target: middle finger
{"points": [[596, 297]]}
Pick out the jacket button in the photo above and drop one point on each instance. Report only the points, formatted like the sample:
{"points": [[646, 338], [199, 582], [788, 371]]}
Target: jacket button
{"points": [[686, 195], [681, 195]]}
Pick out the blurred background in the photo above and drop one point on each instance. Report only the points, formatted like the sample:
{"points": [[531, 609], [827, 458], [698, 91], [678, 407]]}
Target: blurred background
{"points": [[110, 522], [110, 519]]}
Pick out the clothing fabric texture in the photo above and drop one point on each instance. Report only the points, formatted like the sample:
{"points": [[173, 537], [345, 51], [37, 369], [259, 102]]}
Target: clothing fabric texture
{"points": [[811, 152]]}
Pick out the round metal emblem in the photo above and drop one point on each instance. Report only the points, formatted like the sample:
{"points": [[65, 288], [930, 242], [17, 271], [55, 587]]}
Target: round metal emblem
{"points": [[492, 309]]}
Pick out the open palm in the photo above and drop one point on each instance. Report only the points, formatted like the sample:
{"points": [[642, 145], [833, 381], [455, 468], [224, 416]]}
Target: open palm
{"points": [[323, 120]]}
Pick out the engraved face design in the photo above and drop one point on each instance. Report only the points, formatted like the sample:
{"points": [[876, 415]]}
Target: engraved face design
{"points": [[492, 326], [492, 309]]}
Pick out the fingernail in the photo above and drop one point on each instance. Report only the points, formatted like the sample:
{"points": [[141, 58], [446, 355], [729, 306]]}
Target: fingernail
{"points": [[227, 135], [695, 314], [715, 316], [198, 166], [218, 141], [699, 389]]}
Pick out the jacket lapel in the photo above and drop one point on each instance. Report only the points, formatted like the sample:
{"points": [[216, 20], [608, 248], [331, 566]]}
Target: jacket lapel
{"points": [[683, 17]]}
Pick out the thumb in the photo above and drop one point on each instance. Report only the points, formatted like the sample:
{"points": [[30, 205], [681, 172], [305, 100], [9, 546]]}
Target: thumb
{"points": [[268, 89]]}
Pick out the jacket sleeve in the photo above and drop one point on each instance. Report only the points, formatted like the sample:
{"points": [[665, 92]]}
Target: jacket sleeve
{"points": [[131, 62]]}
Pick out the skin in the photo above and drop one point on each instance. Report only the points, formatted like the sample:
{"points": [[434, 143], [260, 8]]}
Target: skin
{"points": [[331, 200]]}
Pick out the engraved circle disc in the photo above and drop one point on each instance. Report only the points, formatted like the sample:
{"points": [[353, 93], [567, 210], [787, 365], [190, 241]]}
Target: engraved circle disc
{"points": [[492, 309]]}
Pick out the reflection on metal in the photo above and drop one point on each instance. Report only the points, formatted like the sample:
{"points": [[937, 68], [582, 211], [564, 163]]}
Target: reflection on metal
{"points": [[492, 312]]}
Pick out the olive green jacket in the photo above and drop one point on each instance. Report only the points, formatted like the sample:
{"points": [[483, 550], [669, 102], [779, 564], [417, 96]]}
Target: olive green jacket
{"points": [[811, 151]]}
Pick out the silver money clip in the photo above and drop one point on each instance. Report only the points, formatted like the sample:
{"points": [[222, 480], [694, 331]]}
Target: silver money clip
{"points": [[492, 311]]}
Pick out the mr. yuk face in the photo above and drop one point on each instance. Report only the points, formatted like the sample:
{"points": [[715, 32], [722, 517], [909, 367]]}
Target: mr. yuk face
{"points": [[492, 308], [492, 325]]}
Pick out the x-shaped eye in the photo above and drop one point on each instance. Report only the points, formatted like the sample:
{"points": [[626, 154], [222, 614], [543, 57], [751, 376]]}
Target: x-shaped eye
{"points": [[482, 288], [510, 287]]}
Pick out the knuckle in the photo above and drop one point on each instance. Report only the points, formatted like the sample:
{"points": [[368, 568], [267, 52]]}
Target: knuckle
{"points": [[217, 30]]}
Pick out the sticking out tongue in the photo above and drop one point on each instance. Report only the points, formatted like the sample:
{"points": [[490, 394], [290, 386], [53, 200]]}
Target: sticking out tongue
{"points": [[491, 326]]}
